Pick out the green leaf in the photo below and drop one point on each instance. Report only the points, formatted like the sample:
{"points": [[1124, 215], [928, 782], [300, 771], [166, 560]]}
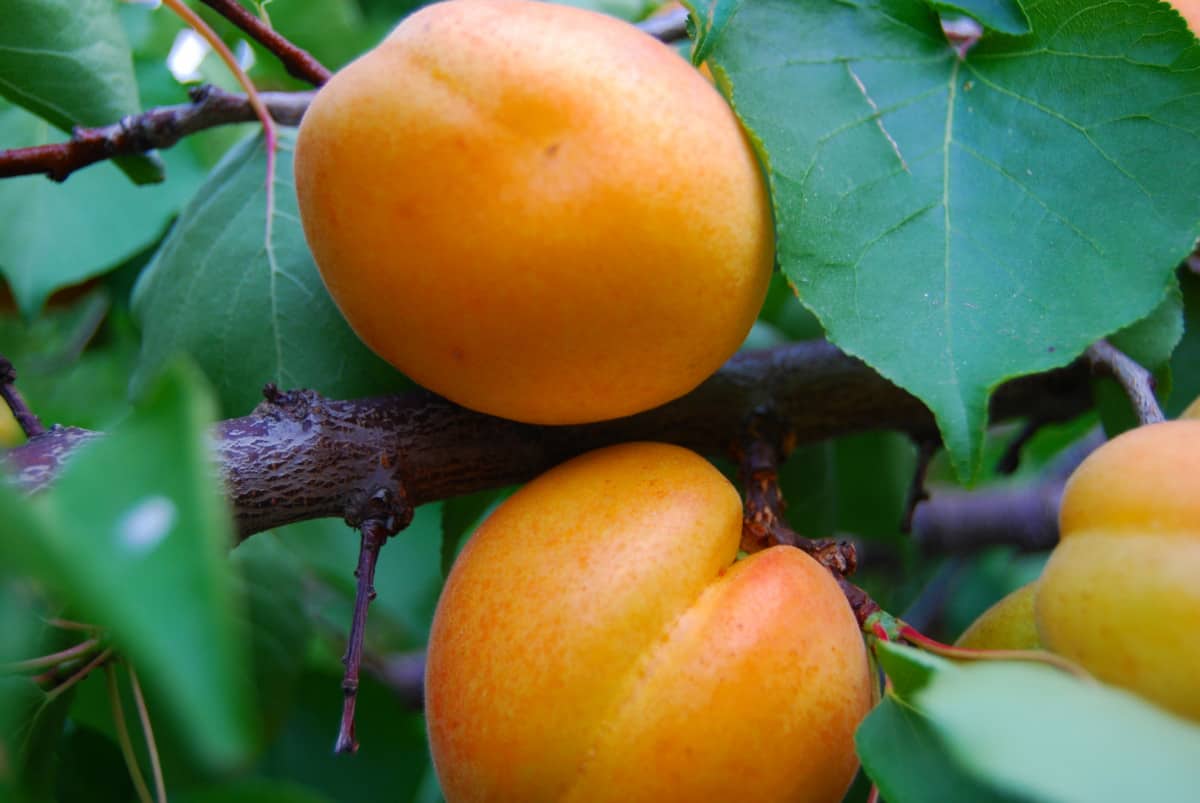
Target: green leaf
{"points": [[278, 622], [235, 287], [254, 790], [1042, 735], [1005, 16], [135, 534], [959, 221], [391, 764], [31, 724], [55, 235], [68, 62], [1150, 341], [908, 668], [1185, 360], [905, 757]]}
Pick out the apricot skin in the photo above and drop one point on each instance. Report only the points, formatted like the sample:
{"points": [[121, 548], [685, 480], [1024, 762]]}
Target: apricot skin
{"points": [[595, 641], [1007, 625], [1119, 594], [537, 211]]}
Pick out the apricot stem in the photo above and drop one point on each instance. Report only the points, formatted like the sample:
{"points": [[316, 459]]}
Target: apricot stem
{"points": [[918, 639]]}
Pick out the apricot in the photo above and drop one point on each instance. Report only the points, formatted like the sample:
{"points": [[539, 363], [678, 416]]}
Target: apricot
{"points": [[1007, 625], [597, 641], [1119, 594], [537, 211]]}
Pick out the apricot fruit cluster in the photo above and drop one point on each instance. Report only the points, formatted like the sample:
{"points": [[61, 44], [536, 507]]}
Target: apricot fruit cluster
{"points": [[597, 640], [537, 211], [1120, 594]]}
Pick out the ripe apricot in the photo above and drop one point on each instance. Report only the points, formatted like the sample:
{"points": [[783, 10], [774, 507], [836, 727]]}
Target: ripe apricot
{"points": [[1007, 625], [537, 211], [1119, 594], [596, 641]]}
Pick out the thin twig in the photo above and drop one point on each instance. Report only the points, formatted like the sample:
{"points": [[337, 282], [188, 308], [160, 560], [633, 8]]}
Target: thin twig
{"points": [[83, 672], [54, 659], [270, 136], [160, 788], [298, 62], [1136, 381], [374, 533], [30, 424], [1010, 461], [118, 715], [153, 129]]}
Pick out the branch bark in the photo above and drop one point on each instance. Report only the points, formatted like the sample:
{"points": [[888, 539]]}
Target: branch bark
{"points": [[298, 62], [299, 456], [154, 129]]}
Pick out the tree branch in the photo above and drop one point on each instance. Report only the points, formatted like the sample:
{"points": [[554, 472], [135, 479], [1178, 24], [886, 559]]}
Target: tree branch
{"points": [[298, 62], [1025, 516], [1136, 381], [153, 129], [299, 456]]}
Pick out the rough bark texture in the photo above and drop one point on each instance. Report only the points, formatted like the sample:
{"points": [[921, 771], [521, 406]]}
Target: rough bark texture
{"points": [[299, 456]]}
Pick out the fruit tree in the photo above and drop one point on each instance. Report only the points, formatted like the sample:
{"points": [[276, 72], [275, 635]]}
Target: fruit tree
{"points": [[605, 400]]}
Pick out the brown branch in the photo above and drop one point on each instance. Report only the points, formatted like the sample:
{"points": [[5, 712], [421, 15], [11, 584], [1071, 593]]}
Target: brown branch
{"points": [[298, 62], [30, 424], [299, 456], [1023, 516], [764, 523], [1136, 381], [153, 129]]}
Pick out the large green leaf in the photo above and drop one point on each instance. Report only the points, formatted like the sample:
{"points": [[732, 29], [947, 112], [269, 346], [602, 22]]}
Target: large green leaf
{"points": [[1020, 731], [905, 757], [235, 286], [959, 220], [54, 235], [135, 533], [68, 62], [1043, 735]]}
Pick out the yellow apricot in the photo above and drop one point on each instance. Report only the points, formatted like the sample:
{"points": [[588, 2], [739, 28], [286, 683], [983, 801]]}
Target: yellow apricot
{"points": [[1007, 625], [10, 430], [596, 641], [537, 211], [1119, 594]]}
